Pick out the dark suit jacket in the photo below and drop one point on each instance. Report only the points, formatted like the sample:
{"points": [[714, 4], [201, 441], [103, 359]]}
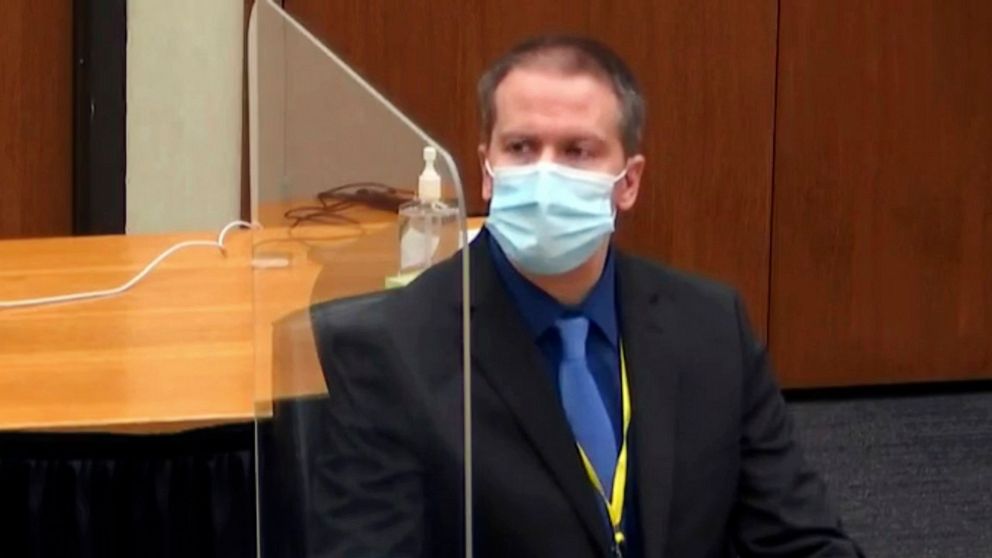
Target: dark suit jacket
{"points": [[716, 470]]}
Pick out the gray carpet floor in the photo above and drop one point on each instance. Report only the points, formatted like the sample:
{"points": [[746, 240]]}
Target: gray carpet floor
{"points": [[911, 474]]}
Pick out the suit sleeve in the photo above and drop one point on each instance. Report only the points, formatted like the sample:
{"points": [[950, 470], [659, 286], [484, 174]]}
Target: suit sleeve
{"points": [[782, 507], [368, 477]]}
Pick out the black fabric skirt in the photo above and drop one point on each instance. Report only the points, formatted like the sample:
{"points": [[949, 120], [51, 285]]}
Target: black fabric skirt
{"points": [[98, 495]]}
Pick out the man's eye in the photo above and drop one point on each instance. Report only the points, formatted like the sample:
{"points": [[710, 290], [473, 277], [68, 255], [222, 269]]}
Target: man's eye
{"points": [[518, 147], [576, 153]]}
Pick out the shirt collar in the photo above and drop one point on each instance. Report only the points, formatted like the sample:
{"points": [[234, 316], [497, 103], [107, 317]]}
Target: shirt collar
{"points": [[540, 310]]}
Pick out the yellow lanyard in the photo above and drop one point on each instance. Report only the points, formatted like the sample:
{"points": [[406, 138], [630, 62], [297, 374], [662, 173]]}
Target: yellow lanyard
{"points": [[614, 505]]}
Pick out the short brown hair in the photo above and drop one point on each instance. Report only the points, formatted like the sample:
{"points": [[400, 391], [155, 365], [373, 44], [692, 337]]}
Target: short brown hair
{"points": [[570, 55]]}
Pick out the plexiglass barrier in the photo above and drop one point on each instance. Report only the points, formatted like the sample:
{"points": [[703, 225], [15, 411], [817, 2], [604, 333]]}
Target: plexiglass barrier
{"points": [[341, 416]]}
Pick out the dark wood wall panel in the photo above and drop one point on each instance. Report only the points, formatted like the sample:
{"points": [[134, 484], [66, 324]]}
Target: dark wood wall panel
{"points": [[707, 69], [35, 118], [882, 248]]}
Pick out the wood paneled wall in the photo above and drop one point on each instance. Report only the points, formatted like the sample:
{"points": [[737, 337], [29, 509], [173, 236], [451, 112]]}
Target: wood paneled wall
{"points": [[708, 71], [882, 232], [35, 118]]}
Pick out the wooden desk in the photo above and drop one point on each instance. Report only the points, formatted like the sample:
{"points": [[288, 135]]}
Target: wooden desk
{"points": [[171, 353], [189, 346]]}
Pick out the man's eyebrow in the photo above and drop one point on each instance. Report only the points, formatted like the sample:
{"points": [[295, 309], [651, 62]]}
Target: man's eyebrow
{"points": [[514, 137], [586, 137], [566, 137]]}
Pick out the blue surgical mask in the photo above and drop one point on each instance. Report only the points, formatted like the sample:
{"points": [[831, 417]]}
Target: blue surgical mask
{"points": [[549, 218]]}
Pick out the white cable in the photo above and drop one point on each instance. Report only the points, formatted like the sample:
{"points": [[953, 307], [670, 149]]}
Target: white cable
{"points": [[219, 243]]}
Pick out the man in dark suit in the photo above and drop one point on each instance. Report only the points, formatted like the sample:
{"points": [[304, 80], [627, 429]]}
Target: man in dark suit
{"points": [[619, 407]]}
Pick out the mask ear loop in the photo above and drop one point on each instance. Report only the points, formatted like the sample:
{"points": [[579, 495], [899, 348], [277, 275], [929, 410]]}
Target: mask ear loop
{"points": [[618, 178]]}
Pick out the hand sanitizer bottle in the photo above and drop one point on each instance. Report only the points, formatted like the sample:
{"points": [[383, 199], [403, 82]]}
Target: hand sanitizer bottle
{"points": [[428, 227]]}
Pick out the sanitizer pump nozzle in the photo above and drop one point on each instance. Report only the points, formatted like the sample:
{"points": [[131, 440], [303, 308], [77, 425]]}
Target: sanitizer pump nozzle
{"points": [[429, 184]]}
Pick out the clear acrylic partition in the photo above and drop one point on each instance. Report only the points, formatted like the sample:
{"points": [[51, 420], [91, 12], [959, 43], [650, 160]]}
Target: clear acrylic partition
{"points": [[330, 161]]}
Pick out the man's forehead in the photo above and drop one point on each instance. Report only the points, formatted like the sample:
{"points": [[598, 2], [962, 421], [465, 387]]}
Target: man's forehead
{"points": [[552, 92]]}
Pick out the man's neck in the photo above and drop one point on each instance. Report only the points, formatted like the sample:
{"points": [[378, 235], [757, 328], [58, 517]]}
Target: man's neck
{"points": [[572, 287]]}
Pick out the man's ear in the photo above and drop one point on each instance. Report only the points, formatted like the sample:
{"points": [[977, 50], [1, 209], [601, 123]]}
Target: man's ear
{"points": [[487, 181], [625, 193]]}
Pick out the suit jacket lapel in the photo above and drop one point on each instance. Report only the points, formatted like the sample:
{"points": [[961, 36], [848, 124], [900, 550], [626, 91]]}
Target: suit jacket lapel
{"points": [[647, 329], [506, 355]]}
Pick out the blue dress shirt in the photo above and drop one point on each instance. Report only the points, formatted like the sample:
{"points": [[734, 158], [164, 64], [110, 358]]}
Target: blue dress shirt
{"points": [[540, 311]]}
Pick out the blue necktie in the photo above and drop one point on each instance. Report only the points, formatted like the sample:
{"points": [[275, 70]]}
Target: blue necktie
{"points": [[584, 406]]}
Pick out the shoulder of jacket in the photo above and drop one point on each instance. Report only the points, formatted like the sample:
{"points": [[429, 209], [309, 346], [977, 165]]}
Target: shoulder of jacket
{"points": [[677, 283]]}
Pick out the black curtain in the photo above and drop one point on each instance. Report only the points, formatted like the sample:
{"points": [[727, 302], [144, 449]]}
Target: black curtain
{"points": [[96, 495]]}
